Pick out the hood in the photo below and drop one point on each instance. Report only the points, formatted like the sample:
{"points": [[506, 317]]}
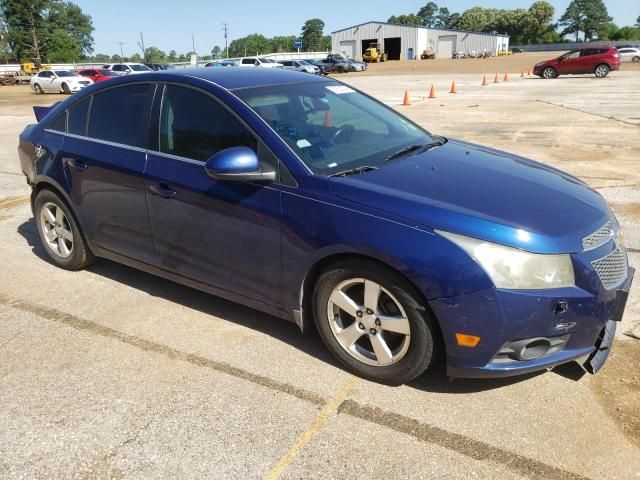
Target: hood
{"points": [[482, 193]]}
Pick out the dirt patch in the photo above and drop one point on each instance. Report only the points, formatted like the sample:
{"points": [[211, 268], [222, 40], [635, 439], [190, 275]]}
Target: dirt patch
{"points": [[630, 209], [617, 387]]}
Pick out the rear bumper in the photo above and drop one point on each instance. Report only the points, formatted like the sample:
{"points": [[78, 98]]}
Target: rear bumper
{"points": [[501, 317]]}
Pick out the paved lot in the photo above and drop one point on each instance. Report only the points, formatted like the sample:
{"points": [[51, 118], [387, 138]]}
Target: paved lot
{"points": [[113, 373]]}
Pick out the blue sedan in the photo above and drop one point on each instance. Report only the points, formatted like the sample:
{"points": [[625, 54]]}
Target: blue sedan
{"points": [[304, 198]]}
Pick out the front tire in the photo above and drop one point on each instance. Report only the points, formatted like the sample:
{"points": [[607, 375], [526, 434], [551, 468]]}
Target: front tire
{"points": [[38, 89], [371, 320], [549, 73], [59, 232], [602, 71], [636, 59], [65, 88]]}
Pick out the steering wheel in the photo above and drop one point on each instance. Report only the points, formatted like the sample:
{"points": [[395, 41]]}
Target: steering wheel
{"points": [[343, 134]]}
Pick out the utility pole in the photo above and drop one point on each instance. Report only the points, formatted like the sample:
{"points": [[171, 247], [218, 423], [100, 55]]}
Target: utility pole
{"points": [[121, 54], [225, 27], [193, 43], [141, 45]]}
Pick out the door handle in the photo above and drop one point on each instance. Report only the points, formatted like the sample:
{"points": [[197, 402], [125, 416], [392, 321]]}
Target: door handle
{"points": [[162, 190], [76, 164]]}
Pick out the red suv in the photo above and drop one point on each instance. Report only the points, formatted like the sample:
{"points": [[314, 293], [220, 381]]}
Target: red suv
{"points": [[597, 60]]}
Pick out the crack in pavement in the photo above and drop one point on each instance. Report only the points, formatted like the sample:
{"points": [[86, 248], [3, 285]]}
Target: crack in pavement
{"points": [[559, 105], [475, 449]]}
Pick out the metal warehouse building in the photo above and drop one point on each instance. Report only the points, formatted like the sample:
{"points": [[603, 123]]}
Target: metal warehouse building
{"points": [[407, 42]]}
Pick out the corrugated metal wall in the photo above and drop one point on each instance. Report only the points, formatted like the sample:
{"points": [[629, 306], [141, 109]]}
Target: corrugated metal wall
{"points": [[419, 39]]}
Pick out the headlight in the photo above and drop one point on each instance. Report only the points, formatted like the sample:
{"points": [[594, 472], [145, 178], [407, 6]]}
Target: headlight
{"points": [[516, 269], [539, 64]]}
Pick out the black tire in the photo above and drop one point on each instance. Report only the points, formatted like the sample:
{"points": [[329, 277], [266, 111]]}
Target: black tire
{"points": [[601, 70], [636, 59], [80, 255], [421, 343], [65, 88], [549, 73], [38, 89], [340, 69]]}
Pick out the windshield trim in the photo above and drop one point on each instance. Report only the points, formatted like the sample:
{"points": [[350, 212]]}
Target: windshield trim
{"points": [[324, 81]]}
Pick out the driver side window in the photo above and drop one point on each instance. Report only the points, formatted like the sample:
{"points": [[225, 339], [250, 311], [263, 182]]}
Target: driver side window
{"points": [[193, 125], [569, 55]]}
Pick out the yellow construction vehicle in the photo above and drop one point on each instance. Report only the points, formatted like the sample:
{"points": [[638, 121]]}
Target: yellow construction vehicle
{"points": [[374, 54], [31, 68]]}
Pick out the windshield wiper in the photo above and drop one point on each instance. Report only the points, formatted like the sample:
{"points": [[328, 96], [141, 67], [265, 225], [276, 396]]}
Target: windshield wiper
{"points": [[353, 171], [412, 148]]}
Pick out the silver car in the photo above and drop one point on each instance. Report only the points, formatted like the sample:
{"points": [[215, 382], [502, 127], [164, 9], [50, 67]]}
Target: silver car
{"points": [[58, 81], [629, 54], [300, 66]]}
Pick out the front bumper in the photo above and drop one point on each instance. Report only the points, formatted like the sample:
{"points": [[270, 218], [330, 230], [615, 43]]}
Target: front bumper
{"points": [[77, 87], [500, 317]]}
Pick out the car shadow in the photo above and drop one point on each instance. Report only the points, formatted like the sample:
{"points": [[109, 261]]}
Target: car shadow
{"points": [[435, 380]]}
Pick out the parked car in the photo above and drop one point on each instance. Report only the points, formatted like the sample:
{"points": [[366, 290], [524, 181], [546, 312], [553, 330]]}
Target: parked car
{"points": [[58, 81], [304, 198], [97, 74], [516, 50], [339, 65], [300, 66], [597, 60], [127, 68], [629, 54], [357, 66], [259, 62], [325, 68], [159, 66], [220, 63]]}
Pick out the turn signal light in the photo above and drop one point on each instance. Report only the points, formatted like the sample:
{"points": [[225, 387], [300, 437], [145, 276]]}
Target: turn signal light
{"points": [[465, 340]]}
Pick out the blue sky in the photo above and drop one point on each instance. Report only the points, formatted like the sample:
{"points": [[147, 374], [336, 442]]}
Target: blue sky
{"points": [[168, 24]]}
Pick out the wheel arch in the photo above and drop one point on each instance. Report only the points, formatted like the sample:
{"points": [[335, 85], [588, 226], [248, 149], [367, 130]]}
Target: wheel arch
{"points": [[48, 184], [304, 317]]}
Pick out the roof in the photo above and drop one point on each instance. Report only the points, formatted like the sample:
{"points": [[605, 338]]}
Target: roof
{"points": [[421, 26], [239, 77]]}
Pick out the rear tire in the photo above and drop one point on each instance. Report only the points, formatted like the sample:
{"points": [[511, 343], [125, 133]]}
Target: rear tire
{"points": [[602, 70], [59, 232], [65, 88], [38, 89], [636, 59], [389, 338], [549, 73]]}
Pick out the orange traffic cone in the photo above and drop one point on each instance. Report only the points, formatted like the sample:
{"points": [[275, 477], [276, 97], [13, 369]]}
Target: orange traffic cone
{"points": [[406, 98], [327, 118], [506, 77], [484, 81], [522, 73], [453, 88], [529, 72], [432, 92], [495, 80]]}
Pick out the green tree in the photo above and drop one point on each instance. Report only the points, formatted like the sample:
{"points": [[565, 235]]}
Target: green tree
{"points": [[312, 35], [101, 58], [76, 25], [254, 44], [410, 19], [155, 55], [586, 16], [326, 43], [537, 22], [475, 19], [173, 56], [638, 21], [26, 28], [136, 58], [428, 14], [216, 52], [626, 33]]}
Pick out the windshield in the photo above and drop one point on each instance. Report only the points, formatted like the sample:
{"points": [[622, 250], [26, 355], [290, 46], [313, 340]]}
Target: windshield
{"points": [[331, 127], [266, 60], [140, 68], [108, 73], [65, 73]]}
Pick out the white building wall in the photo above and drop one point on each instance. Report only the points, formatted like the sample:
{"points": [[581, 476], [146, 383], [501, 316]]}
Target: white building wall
{"points": [[418, 38]]}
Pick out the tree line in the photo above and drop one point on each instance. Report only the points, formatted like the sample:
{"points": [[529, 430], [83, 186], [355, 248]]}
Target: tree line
{"points": [[583, 19]]}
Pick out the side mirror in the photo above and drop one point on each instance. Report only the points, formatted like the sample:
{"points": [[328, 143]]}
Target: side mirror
{"points": [[238, 164]]}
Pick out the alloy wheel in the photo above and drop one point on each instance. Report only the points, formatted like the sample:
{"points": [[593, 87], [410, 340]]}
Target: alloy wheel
{"points": [[602, 71], [368, 322], [56, 230], [549, 73]]}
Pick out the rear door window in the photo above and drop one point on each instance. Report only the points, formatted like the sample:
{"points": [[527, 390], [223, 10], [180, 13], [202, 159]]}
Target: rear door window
{"points": [[77, 120], [120, 114]]}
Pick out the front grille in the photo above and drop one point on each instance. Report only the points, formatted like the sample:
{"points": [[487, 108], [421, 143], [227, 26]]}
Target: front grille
{"points": [[612, 269], [599, 237]]}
